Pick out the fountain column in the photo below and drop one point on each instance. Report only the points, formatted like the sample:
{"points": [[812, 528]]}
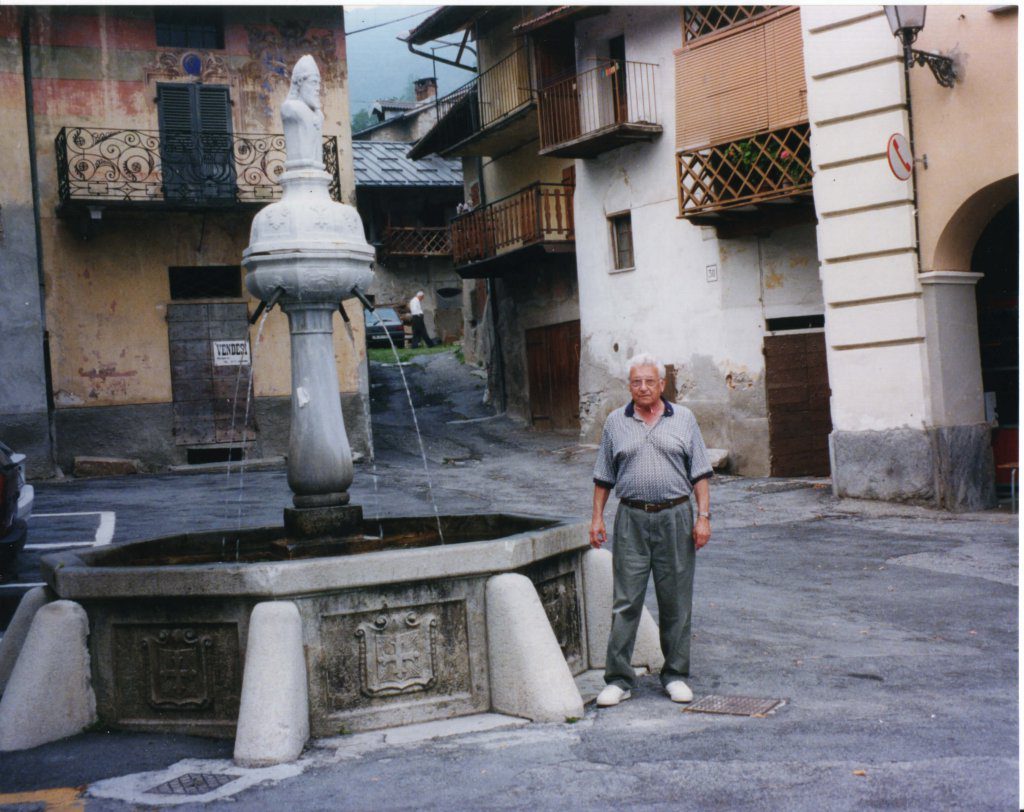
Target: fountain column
{"points": [[309, 252]]}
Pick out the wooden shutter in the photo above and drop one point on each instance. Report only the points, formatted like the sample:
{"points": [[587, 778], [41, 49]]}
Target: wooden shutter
{"points": [[735, 84], [214, 109], [174, 103]]}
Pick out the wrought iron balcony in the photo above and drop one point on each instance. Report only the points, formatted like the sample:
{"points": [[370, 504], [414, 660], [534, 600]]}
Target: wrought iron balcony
{"points": [[768, 167], [417, 241], [174, 170], [540, 217], [600, 109], [485, 115]]}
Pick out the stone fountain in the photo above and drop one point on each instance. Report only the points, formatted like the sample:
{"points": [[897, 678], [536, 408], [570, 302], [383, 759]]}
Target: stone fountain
{"points": [[327, 624]]}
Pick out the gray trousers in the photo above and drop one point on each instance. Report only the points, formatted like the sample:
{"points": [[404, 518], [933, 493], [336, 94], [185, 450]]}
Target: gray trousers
{"points": [[645, 542]]}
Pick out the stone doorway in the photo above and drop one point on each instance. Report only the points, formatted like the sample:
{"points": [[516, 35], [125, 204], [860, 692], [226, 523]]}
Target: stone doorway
{"points": [[997, 256]]}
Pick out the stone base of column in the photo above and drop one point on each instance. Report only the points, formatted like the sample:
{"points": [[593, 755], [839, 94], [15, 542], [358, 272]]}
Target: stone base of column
{"points": [[949, 467], [323, 522]]}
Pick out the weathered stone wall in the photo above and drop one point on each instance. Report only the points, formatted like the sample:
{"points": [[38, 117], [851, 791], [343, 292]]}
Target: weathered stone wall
{"points": [[24, 418]]}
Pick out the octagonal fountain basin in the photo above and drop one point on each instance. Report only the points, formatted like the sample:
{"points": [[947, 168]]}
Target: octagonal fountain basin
{"points": [[393, 622]]}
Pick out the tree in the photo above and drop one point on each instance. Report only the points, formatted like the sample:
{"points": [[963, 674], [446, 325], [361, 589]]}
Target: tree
{"points": [[361, 120]]}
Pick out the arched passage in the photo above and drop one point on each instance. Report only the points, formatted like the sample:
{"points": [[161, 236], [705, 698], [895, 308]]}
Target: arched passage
{"points": [[996, 255]]}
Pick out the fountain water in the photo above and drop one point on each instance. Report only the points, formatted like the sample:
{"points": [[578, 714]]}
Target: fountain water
{"points": [[314, 627]]}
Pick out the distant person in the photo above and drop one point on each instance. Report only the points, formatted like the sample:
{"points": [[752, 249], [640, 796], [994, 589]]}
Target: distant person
{"points": [[419, 327], [653, 454]]}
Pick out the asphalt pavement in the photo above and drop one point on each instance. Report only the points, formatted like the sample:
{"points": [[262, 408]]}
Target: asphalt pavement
{"points": [[889, 633]]}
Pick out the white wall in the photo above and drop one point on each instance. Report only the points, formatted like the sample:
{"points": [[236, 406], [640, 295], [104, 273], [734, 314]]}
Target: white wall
{"points": [[712, 331]]}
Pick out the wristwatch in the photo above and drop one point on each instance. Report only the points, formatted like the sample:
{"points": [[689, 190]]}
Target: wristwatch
{"points": [[702, 515]]}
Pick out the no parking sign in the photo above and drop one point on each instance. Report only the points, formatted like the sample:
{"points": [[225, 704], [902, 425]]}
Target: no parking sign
{"points": [[901, 159]]}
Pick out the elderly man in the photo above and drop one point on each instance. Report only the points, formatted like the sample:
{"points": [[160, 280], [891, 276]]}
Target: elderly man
{"points": [[419, 327], [652, 453]]}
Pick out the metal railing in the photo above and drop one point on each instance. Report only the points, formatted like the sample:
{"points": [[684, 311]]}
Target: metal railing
{"points": [[501, 90], [541, 212], [175, 167], [766, 166], [615, 92], [417, 241]]}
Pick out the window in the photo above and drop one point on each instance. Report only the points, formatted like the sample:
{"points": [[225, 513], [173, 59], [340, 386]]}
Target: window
{"points": [[622, 240], [206, 282], [197, 161], [189, 28]]}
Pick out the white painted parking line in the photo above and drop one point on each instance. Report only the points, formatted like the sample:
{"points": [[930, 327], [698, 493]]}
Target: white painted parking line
{"points": [[20, 585], [54, 545], [104, 530]]}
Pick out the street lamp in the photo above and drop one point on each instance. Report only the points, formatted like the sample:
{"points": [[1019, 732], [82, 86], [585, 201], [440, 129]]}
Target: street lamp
{"points": [[905, 23]]}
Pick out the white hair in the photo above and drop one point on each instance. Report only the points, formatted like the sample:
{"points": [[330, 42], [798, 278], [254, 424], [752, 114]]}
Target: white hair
{"points": [[420, 293], [645, 359]]}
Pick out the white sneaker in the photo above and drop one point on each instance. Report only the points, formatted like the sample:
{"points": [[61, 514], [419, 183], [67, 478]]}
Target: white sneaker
{"points": [[611, 695], [678, 691]]}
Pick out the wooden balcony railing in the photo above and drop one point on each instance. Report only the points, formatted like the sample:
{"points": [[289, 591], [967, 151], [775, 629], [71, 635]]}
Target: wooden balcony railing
{"points": [[764, 167], [542, 212], [175, 168], [498, 92], [417, 241], [614, 93]]}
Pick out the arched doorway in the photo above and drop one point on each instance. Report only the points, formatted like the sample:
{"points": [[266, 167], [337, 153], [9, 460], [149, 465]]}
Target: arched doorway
{"points": [[997, 255]]}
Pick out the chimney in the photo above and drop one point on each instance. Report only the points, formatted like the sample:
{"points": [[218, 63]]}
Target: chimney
{"points": [[425, 88]]}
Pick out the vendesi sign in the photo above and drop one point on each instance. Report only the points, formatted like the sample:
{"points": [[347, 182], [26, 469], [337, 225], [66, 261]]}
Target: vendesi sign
{"points": [[230, 353]]}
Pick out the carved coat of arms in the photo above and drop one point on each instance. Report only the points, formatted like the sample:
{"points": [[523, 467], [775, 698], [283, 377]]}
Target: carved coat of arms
{"points": [[397, 653]]}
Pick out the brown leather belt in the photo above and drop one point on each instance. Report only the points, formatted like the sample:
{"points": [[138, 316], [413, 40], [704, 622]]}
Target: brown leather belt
{"points": [[654, 507]]}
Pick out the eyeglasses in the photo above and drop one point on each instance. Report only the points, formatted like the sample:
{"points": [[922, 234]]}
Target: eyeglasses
{"points": [[642, 383]]}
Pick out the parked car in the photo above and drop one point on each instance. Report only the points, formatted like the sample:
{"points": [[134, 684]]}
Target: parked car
{"points": [[16, 499], [381, 323]]}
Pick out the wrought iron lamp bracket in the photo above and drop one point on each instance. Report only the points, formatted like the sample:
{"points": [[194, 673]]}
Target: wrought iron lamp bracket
{"points": [[942, 67]]}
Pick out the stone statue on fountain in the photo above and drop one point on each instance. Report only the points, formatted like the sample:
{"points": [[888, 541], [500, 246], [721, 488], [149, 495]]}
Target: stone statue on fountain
{"points": [[302, 117], [309, 253]]}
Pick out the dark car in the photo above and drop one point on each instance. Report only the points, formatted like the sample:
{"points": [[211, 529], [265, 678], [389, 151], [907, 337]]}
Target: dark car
{"points": [[13, 529], [380, 324]]}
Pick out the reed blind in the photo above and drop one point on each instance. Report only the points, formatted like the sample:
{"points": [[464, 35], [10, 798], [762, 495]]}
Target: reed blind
{"points": [[738, 83]]}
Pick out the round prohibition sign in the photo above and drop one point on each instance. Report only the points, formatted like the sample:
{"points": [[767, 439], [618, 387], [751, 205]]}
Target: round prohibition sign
{"points": [[901, 159]]}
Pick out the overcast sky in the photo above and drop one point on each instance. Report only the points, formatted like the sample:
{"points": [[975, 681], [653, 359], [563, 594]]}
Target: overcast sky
{"points": [[379, 65]]}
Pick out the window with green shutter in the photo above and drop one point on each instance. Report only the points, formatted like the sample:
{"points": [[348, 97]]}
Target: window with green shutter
{"points": [[195, 142]]}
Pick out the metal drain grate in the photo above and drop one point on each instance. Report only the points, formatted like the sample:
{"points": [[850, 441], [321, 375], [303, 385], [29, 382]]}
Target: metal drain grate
{"points": [[733, 705], [193, 784]]}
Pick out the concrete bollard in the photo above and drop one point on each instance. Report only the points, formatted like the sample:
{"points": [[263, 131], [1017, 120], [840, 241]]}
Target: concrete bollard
{"points": [[597, 593], [17, 630], [273, 718], [49, 695], [528, 673]]}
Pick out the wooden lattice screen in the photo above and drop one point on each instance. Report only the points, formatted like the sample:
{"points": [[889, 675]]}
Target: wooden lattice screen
{"points": [[764, 167], [411, 241], [699, 21]]}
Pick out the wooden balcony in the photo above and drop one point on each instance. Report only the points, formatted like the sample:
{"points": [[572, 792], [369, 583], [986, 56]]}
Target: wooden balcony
{"points": [[494, 239], [172, 170], [606, 107], [413, 241], [765, 178], [489, 115]]}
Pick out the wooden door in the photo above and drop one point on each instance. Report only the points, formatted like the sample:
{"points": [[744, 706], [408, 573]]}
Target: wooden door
{"points": [[553, 369], [555, 51], [799, 421], [210, 380], [617, 56]]}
